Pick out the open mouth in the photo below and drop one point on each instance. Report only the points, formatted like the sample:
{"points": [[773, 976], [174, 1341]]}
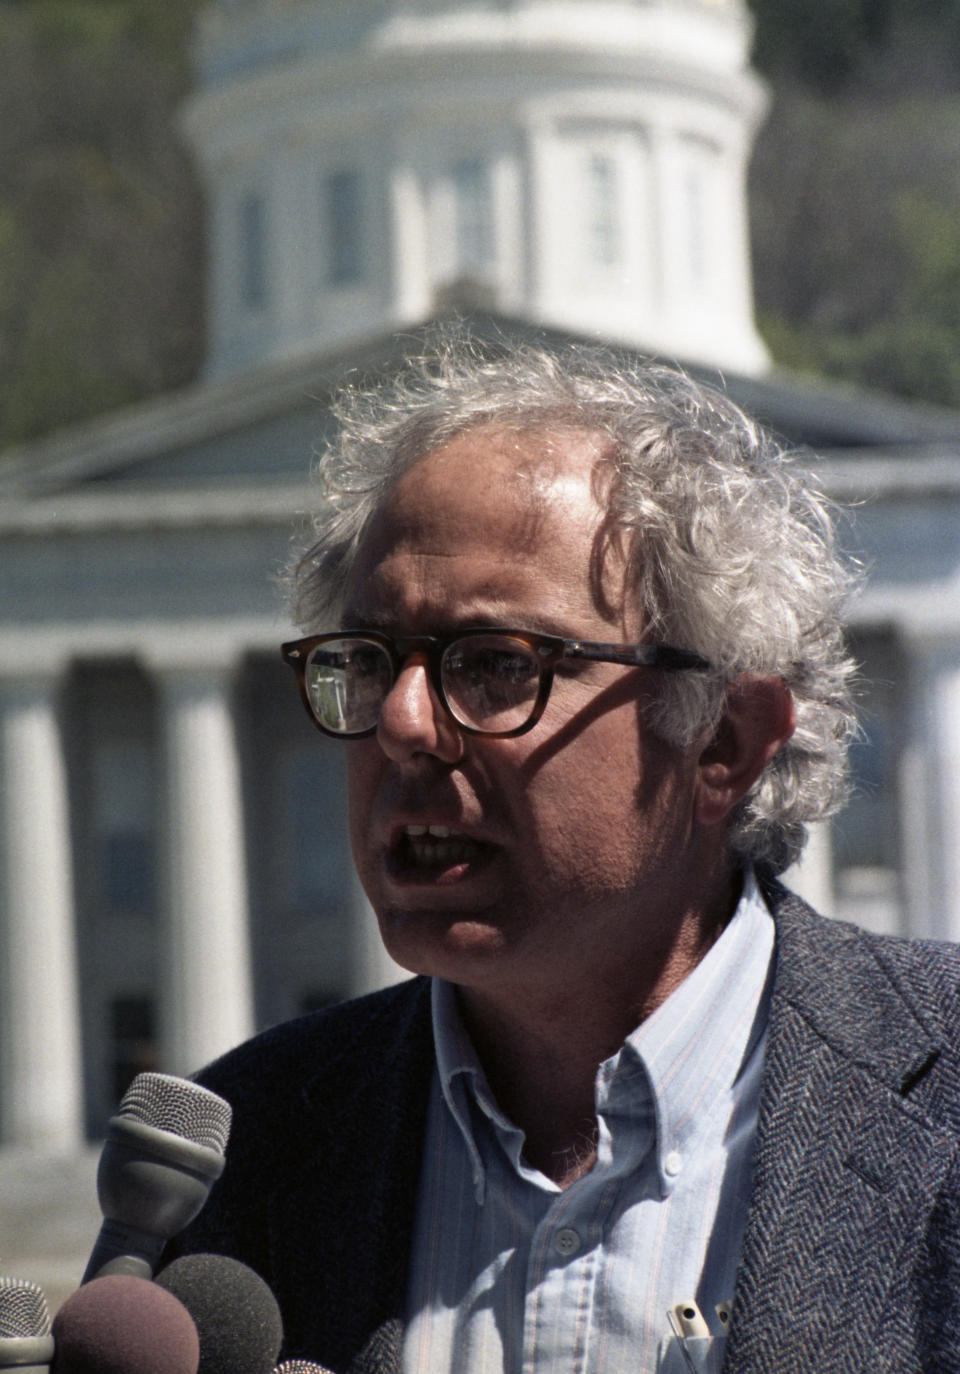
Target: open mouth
{"points": [[425, 851]]}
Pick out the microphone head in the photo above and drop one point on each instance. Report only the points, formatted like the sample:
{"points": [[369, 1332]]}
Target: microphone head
{"points": [[301, 1367], [23, 1309], [180, 1107], [235, 1313], [25, 1337], [124, 1325]]}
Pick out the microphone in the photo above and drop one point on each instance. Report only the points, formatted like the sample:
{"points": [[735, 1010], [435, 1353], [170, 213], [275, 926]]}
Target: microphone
{"points": [[301, 1367], [119, 1324], [236, 1315], [164, 1149], [25, 1340]]}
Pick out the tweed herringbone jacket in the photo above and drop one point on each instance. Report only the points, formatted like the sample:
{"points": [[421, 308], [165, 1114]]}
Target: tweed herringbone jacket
{"points": [[851, 1254]]}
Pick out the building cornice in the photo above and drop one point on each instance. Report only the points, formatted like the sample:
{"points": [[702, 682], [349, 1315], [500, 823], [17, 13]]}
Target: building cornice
{"points": [[901, 472], [226, 505], [48, 650]]}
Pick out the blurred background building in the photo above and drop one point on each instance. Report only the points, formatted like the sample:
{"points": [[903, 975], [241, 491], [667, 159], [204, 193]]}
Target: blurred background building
{"points": [[175, 871]]}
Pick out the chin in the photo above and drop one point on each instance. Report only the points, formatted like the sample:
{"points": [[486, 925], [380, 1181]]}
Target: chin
{"points": [[452, 947]]}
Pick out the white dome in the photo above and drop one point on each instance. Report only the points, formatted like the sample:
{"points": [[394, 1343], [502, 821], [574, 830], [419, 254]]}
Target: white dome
{"points": [[578, 163]]}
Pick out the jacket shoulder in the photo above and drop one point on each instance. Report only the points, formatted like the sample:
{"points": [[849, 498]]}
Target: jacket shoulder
{"points": [[287, 1054], [862, 990], [303, 1093]]}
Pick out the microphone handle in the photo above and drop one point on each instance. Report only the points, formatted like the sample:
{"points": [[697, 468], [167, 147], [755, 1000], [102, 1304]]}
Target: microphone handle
{"points": [[10, 1359], [121, 1249]]}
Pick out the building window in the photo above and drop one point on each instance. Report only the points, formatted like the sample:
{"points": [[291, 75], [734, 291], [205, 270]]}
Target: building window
{"points": [[318, 845], [343, 214], [133, 1041], [866, 835], [603, 211], [473, 217], [124, 825], [867, 831], [253, 252]]}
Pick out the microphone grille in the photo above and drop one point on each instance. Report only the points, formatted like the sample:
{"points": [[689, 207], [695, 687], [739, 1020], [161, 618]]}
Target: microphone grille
{"points": [[179, 1106], [23, 1309]]}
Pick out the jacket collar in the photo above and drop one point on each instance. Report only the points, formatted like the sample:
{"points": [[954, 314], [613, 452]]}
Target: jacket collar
{"points": [[842, 982]]}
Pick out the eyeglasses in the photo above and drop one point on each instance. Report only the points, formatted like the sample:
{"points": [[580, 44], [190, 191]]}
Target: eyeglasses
{"points": [[492, 682]]}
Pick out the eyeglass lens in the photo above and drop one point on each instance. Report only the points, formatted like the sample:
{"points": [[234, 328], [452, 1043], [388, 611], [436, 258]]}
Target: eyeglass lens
{"points": [[347, 682], [489, 682]]}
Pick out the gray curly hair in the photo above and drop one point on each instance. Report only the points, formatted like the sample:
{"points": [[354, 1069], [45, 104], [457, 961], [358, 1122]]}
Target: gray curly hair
{"points": [[729, 543]]}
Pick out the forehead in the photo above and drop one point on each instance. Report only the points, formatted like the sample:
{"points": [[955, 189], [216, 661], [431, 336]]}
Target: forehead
{"points": [[508, 474], [493, 508]]}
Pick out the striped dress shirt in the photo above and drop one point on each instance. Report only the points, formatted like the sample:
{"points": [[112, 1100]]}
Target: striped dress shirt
{"points": [[512, 1275]]}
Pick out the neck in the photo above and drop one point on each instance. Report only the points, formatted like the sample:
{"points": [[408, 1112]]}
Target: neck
{"points": [[541, 1048], [543, 1078]]}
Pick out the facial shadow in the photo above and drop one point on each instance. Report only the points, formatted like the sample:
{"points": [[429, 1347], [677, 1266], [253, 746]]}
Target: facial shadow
{"points": [[611, 698]]}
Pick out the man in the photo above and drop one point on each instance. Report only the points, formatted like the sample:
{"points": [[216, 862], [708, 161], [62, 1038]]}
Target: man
{"points": [[578, 627]]}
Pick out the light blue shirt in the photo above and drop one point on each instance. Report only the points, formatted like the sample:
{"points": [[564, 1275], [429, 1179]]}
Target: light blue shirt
{"points": [[512, 1275]]}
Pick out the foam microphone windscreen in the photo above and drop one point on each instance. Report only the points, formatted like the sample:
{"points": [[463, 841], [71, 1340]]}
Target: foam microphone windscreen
{"points": [[119, 1324], [235, 1313]]}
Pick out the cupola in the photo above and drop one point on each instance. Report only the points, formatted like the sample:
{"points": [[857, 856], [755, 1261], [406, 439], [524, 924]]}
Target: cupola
{"points": [[573, 163]]}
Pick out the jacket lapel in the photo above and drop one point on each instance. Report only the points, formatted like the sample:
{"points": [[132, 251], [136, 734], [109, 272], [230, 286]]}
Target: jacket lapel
{"points": [[848, 1162]]}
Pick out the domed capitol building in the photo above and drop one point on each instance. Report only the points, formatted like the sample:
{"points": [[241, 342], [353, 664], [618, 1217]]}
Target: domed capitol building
{"points": [[175, 868]]}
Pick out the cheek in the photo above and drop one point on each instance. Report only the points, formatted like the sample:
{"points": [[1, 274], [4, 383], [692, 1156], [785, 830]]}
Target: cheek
{"points": [[584, 806], [606, 808], [361, 783]]}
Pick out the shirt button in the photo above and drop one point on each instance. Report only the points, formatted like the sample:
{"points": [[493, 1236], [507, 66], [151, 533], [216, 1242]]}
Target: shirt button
{"points": [[566, 1242], [673, 1164]]}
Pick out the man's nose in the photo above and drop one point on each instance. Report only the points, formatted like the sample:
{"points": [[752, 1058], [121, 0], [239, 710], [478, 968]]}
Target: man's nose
{"points": [[413, 720]]}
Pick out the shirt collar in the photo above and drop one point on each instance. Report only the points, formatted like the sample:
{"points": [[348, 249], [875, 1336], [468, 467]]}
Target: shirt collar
{"points": [[692, 1050], [460, 1072], [699, 1044]]}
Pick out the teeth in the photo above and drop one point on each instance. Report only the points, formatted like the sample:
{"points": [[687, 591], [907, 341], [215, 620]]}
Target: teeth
{"points": [[437, 846]]}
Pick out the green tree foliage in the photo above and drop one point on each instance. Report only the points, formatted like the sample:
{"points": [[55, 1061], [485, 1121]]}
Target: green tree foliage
{"points": [[836, 46], [100, 243], [821, 44], [855, 192]]}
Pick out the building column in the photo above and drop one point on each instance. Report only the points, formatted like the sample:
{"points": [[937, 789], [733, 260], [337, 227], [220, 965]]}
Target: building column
{"points": [[670, 217], [406, 249], [544, 237], [811, 877], [207, 1002], [292, 241], [930, 787], [42, 1065]]}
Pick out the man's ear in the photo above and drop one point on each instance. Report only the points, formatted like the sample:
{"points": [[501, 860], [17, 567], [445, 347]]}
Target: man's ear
{"points": [[759, 717]]}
